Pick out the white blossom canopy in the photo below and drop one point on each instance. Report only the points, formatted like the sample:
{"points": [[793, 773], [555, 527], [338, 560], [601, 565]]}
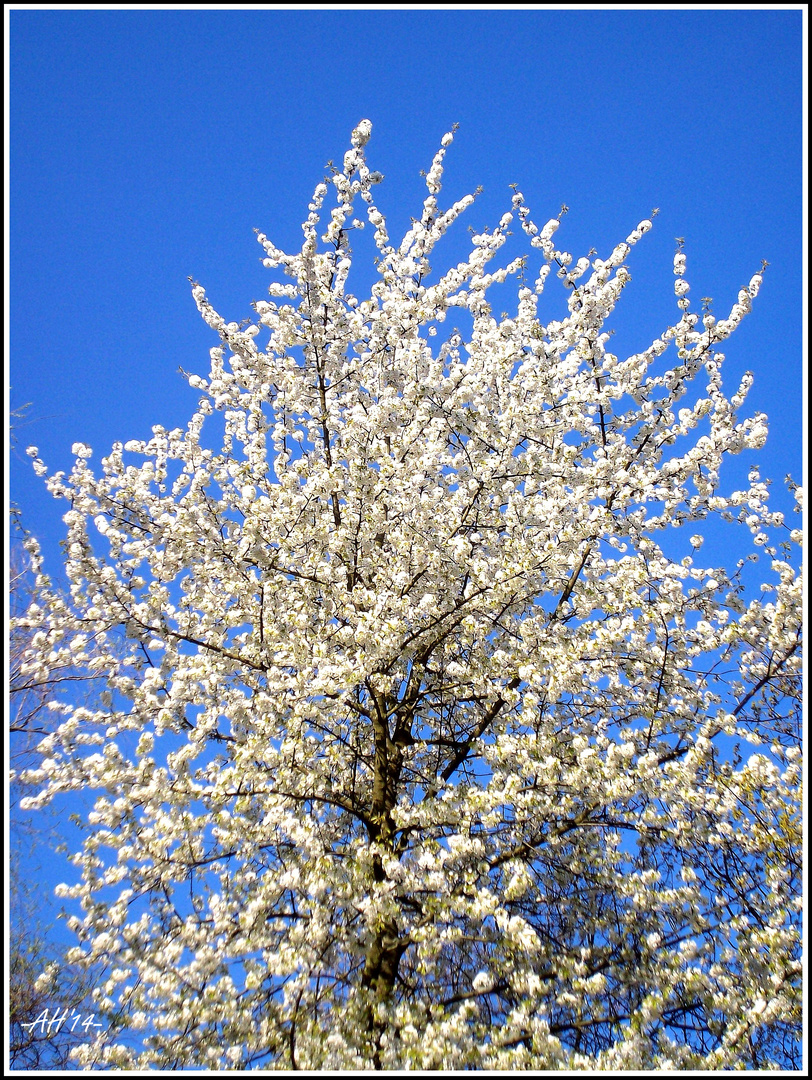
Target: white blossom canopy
{"points": [[415, 747]]}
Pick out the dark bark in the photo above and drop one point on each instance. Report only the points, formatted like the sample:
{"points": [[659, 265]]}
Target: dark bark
{"points": [[387, 946]]}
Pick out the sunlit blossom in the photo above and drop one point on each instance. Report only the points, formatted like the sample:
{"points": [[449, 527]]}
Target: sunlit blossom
{"points": [[422, 742]]}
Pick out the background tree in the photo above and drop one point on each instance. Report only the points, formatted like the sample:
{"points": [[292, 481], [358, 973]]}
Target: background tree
{"points": [[49, 1000], [430, 745], [42, 986]]}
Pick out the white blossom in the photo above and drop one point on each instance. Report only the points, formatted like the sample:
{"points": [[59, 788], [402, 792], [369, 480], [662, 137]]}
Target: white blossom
{"points": [[420, 742]]}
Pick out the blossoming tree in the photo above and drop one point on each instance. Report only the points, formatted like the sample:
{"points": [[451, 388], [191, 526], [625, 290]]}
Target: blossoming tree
{"points": [[419, 746]]}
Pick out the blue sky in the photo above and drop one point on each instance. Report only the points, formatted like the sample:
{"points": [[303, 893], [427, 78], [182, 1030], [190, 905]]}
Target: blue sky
{"points": [[146, 145]]}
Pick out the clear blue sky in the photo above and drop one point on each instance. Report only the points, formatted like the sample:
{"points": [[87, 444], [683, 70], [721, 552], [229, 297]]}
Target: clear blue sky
{"points": [[146, 145]]}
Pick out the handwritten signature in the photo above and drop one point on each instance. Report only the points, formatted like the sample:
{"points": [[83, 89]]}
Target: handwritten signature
{"points": [[51, 1025]]}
